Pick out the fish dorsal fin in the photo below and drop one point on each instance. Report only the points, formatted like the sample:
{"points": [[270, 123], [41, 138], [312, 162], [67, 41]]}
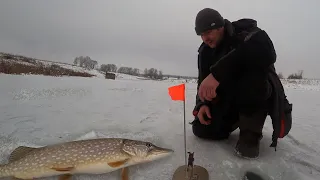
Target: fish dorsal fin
{"points": [[20, 152]]}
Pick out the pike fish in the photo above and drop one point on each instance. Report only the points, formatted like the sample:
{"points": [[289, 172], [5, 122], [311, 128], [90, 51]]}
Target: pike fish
{"points": [[93, 156]]}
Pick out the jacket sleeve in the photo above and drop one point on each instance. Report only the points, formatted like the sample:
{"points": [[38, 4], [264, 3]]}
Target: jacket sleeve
{"points": [[199, 103], [256, 53]]}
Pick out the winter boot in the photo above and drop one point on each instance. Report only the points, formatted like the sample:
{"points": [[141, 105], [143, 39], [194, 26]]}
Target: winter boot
{"points": [[250, 134]]}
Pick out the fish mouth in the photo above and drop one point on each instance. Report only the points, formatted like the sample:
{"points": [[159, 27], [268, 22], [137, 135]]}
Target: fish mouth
{"points": [[159, 151]]}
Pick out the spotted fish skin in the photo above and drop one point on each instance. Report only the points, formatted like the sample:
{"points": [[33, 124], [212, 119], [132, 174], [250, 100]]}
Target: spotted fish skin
{"points": [[93, 156]]}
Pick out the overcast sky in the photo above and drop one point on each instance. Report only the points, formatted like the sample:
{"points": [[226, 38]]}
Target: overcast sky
{"points": [[152, 33]]}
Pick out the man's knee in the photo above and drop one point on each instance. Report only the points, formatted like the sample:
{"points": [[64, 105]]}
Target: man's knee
{"points": [[210, 131], [199, 129]]}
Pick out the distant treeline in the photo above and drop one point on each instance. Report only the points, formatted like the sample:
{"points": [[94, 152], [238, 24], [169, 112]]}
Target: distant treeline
{"points": [[298, 75], [87, 62], [180, 77], [151, 73]]}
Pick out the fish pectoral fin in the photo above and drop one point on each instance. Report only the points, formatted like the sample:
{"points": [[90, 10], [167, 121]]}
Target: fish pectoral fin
{"points": [[125, 173], [65, 177], [63, 169], [20, 152], [115, 164]]}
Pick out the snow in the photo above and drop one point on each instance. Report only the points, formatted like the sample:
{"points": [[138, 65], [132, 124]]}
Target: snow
{"points": [[302, 84], [39, 110]]}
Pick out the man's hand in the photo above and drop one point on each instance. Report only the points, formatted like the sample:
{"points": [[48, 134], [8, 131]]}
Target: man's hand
{"points": [[204, 110], [207, 88]]}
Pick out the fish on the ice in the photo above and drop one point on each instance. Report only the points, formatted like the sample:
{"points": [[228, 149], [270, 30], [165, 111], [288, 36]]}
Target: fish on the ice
{"points": [[93, 156]]}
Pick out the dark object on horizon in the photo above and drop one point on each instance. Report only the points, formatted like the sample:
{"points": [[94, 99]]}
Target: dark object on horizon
{"points": [[110, 76]]}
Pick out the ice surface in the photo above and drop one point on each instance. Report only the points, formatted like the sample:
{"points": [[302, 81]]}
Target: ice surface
{"points": [[40, 110]]}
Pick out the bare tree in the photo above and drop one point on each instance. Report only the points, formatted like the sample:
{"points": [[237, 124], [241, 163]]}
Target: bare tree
{"points": [[298, 75], [108, 68], [85, 61], [153, 73]]}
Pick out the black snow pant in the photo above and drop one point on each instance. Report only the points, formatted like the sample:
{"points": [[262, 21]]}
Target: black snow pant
{"points": [[242, 104]]}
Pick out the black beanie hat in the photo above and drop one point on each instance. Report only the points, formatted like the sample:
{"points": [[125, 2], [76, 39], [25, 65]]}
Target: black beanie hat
{"points": [[207, 19]]}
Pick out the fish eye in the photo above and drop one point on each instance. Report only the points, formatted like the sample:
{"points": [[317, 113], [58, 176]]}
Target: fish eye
{"points": [[148, 145]]}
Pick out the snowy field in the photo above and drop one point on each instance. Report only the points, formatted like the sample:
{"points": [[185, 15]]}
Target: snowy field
{"points": [[37, 110]]}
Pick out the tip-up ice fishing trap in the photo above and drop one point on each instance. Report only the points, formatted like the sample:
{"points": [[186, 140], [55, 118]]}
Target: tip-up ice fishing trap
{"points": [[189, 171]]}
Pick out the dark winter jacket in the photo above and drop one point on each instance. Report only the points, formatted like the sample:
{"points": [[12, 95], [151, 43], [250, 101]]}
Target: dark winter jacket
{"points": [[245, 47]]}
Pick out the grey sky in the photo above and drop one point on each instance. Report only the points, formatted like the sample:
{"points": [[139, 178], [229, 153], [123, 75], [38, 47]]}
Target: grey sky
{"points": [[149, 33]]}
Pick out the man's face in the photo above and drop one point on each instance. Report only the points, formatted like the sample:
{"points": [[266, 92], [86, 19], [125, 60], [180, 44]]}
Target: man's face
{"points": [[212, 37]]}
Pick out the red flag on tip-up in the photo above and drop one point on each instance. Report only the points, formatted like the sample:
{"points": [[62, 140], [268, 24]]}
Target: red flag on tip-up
{"points": [[177, 92]]}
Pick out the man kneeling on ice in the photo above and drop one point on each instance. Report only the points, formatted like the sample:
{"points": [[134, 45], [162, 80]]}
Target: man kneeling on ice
{"points": [[237, 83]]}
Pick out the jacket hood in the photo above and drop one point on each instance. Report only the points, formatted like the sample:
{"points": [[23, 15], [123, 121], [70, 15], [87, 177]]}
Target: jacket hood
{"points": [[244, 24]]}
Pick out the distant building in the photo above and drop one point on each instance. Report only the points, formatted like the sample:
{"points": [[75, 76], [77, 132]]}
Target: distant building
{"points": [[110, 76]]}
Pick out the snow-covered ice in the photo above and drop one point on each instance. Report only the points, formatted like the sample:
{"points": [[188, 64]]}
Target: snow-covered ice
{"points": [[40, 110]]}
